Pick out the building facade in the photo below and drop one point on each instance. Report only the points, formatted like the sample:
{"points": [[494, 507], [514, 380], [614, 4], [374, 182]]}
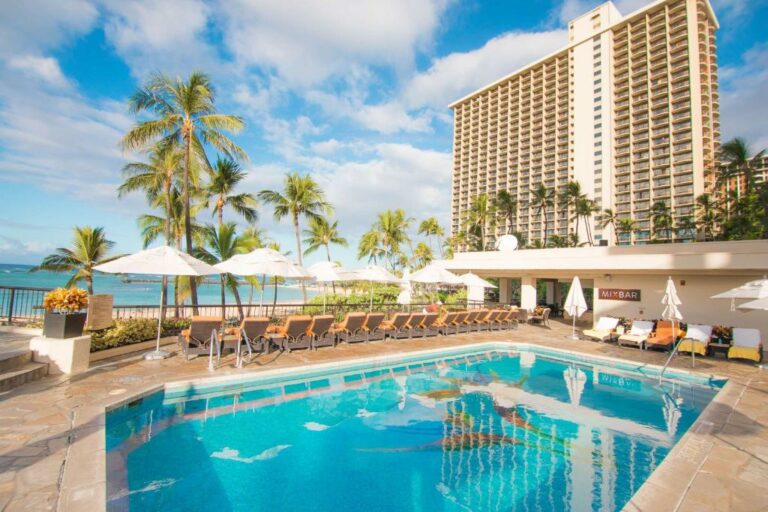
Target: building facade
{"points": [[628, 109]]}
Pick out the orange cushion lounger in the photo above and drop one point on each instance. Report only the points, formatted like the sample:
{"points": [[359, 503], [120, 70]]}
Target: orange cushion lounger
{"points": [[664, 336]]}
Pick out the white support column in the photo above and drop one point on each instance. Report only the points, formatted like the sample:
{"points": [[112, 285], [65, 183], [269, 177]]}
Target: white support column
{"points": [[528, 293], [505, 290], [550, 292]]}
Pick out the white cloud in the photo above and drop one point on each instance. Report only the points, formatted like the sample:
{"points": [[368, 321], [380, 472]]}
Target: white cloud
{"points": [[306, 42], [743, 108], [450, 77], [44, 68], [326, 147]]}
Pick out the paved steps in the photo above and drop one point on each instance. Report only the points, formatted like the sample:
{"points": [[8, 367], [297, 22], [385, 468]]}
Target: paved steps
{"points": [[17, 368]]}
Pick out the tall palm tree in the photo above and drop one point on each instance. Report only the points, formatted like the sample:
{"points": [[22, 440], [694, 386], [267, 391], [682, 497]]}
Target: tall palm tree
{"points": [[221, 243], [610, 218], [185, 115], [89, 248], [542, 199], [422, 255], [506, 206], [225, 177], [254, 238], [584, 209], [626, 227], [480, 218], [392, 228], [431, 228], [707, 216], [739, 162], [322, 233], [301, 197], [661, 218], [370, 247]]}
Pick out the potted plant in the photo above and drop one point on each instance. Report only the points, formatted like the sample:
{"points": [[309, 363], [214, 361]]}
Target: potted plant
{"points": [[64, 316]]}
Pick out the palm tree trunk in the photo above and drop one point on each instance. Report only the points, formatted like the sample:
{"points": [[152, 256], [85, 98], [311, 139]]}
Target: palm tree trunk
{"points": [[176, 296], [187, 216], [274, 297], [440, 246], [239, 302], [220, 208], [89, 284], [167, 236], [297, 231]]}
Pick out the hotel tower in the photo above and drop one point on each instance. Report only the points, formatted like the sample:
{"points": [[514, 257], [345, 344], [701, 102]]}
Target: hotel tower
{"points": [[628, 109]]}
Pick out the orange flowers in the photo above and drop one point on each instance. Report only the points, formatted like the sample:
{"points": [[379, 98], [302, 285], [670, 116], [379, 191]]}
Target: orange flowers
{"points": [[66, 300]]}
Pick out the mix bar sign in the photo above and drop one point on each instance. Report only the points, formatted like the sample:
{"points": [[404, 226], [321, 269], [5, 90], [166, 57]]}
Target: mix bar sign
{"points": [[619, 294]]}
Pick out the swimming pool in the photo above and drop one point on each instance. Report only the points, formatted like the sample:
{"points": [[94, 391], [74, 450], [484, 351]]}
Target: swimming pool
{"points": [[495, 428]]}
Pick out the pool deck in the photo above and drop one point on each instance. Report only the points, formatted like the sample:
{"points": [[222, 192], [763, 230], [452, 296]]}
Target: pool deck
{"points": [[52, 447]]}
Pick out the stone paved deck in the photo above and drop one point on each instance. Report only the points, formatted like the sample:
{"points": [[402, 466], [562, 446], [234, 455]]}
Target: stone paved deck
{"points": [[52, 448]]}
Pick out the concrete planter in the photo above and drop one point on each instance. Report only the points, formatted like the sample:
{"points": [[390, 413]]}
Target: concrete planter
{"points": [[63, 355], [61, 326]]}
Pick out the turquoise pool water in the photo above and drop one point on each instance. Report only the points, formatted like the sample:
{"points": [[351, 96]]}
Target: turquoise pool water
{"points": [[497, 430]]}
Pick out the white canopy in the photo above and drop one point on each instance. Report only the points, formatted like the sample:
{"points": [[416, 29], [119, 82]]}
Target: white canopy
{"points": [[160, 261], [469, 279], [404, 297], [376, 274], [757, 289], [672, 302], [432, 274], [329, 272], [263, 262], [756, 304]]}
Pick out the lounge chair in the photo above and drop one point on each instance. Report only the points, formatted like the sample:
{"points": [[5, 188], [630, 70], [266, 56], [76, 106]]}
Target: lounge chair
{"points": [[321, 331], [293, 334], [428, 327], [447, 324], [393, 327], [746, 345], [197, 339], [414, 324], [522, 316], [638, 334], [696, 339], [481, 321], [350, 330], [469, 321], [604, 329], [253, 334], [372, 327], [542, 318], [501, 319], [664, 336]]}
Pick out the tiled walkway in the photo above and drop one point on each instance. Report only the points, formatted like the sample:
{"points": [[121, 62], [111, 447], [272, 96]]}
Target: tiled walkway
{"points": [[52, 441]]}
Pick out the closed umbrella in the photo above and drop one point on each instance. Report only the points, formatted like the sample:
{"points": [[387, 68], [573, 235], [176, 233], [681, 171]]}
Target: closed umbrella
{"points": [[575, 380], [757, 289], [404, 297], [161, 261], [376, 274], [330, 272], [672, 312], [575, 304], [672, 413]]}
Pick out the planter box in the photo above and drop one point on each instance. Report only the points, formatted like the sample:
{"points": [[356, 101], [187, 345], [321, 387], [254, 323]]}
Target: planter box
{"points": [[70, 356], [63, 326]]}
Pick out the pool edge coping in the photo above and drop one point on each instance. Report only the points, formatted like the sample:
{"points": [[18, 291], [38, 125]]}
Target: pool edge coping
{"points": [[84, 487]]}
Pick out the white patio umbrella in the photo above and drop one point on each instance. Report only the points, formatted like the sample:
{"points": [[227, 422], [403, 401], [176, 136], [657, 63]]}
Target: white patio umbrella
{"points": [[756, 304], [263, 262], [330, 272], [469, 279], [575, 379], [432, 274], [161, 261], [575, 304], [757, 289], [376, 274], [404, 298]]}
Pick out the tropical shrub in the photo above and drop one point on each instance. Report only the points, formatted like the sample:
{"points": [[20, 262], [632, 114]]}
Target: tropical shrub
{"points": [[133, 330], [65, 300]]}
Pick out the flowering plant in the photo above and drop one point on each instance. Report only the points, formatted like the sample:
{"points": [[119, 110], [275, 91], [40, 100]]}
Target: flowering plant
{"points": [[65, 300], [722, 333]]}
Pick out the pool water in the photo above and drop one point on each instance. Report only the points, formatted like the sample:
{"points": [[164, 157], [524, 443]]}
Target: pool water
{"points": [[498, 430]]}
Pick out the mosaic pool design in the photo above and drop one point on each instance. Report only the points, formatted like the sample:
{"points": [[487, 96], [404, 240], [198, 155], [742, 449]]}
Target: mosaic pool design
{"points": [[494, 430]]}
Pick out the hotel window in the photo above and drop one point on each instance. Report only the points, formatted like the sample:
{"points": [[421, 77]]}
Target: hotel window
{"points": [[598, 116], [598, 107], [598, 90], [598, 81], [598, 153]]}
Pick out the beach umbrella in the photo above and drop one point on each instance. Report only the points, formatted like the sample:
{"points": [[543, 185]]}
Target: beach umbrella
{"points": [[575, 304], [575, 380], [330, 272], [757, 289], [404, 298], [376, 274], [756, 304], [432, 274], [469, 279], [671, 311], [263, 262], [161, 261]]}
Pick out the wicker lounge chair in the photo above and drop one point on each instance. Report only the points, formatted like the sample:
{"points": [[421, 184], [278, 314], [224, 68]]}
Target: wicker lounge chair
{"points": [[372, 327], [414, 324], [394, 327], [499, 320], [664, 335], [293, 334], [638, 334], [428, 327], [321, 331], [604, 329], [481, 320], [253, 334], [746, 345], [522, 316], [447, 324], [197, 339], [697, 338], [469, 321], [542, 318], [350, 330]]}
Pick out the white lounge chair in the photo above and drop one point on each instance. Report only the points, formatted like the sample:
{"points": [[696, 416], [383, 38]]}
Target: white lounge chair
{"points": [[696, 339], [603, 330], [640, 331], [746, 345]]}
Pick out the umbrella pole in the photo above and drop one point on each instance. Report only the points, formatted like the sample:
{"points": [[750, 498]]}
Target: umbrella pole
{"points": [[261, 303], [157, 353], [370, 308], [325, 295]]}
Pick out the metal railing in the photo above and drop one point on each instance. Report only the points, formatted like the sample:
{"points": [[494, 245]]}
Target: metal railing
{"points": [[19, 305]]}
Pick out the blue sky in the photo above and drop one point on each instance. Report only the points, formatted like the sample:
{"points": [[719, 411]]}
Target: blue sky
{"points": [[354, 92]]}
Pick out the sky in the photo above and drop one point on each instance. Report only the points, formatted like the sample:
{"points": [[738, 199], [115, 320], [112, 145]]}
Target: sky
{"points": [[353, 92]]}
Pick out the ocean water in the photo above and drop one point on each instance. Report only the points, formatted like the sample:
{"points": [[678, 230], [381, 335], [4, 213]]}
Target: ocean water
{"points": [[490, 431], [141, 293]]}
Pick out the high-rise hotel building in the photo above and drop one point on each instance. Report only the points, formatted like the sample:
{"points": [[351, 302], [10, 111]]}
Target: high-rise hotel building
{"points": [[629, 109]]}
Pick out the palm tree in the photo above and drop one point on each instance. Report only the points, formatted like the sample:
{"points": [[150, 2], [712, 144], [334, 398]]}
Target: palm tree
{"points": [[322, 233], [585, 208], [739, 162], [391, 227], [610, 218], [370, 247], [422, 255], [707, 216], [686, 228], [661, 217], [542, 199], [506, 206], [221, 243], [225, 177], [254, 238], [626, 227], [301, 197], [89, 248], [185, 115], [429, 228], [480, 217]]}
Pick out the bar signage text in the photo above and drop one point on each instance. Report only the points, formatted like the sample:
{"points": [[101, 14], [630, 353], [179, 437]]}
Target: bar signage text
{"points": [[619, 294]]}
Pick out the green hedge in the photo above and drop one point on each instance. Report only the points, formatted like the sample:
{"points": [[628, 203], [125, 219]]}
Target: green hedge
{"points": [[133, 330]]}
